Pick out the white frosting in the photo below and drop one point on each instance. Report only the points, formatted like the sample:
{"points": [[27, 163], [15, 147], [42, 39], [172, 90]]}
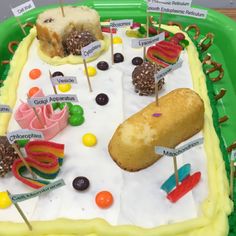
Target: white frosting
{"points": [[138, 199]]}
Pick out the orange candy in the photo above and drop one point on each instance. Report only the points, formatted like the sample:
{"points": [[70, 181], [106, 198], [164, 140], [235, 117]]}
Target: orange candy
{"points": [[35, 74], [33, 91], [104, 199]]}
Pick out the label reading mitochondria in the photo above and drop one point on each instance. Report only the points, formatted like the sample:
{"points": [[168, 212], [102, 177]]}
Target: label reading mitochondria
{"points": [[24, 134], [162, 73], [178, 10], [90, 50], [23, 8], [121, 23], [175, 152], [233, 155], [25, 196], [42, 101], [64, 80], [145, 42], [5, 109]]}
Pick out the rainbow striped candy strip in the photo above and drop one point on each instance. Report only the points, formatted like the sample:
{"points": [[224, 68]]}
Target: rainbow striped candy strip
{"points": [[44, 158]]}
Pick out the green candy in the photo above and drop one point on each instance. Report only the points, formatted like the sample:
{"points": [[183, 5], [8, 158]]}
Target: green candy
{"points": [[62, 105], [22, 142], [76, 120], [76, 110], [184, 43], [55, 105]]}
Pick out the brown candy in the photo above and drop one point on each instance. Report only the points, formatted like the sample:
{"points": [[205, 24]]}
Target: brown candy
{"points": [[143, 79], [7, 156], [77, 40]]}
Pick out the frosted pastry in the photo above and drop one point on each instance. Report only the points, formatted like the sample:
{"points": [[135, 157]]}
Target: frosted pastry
{"points": [[182, 116]]}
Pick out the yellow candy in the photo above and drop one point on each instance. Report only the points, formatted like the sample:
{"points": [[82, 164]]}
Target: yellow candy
{"points": [[117, 40], [64, 87], [89, 140], [5, 201], [91, 71]]}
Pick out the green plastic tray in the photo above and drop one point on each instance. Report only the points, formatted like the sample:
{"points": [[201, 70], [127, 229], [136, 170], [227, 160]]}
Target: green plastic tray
{"points": [[223, 51]]}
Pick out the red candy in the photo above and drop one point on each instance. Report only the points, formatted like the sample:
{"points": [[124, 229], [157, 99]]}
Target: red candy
{"points": [[104, 199], [33, 91], [35, 74], [187, 185], [179, 36]]}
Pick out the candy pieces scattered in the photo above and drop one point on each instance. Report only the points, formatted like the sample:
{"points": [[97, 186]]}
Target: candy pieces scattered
{"points": [[117, 40], [81, 183], [137, 61], [35, 74], [102, 99], [118, 57], [22, 142], [64, 88], [91, 71], [104, 199], [76, 115], [5, 201], [89, 140], [103, 65], [57, 73], [33, 91], [63, 104], [44, 158]]}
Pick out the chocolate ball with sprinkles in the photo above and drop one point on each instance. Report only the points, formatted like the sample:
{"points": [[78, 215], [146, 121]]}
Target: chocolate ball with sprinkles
{"points": [[7, 156], [77, 40], [143, 79]]}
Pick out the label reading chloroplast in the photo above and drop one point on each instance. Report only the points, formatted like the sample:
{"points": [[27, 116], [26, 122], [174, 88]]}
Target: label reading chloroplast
{"points": [[175, 152], [182, 3], [42, 101], [90, 50], [162, 73], [25, 196], [179, 10], [145, 42], [23, 8], [64, 80], [5, 109], [121, 23], [233, 155], [23, 134]]}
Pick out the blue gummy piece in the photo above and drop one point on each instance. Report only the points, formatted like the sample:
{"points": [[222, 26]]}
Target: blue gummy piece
{"points": [[170, 183]]}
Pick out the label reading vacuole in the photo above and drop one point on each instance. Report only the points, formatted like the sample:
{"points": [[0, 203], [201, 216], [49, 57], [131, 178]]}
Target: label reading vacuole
{"points": [[23, 134], [5, 109], [64, 80], [175, 152]]}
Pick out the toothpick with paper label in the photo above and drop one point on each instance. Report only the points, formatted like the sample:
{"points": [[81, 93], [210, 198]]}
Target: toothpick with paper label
{"points": [[187, 181], [232, 172], [23, 134], [86, 52], [20, 10], [115, 24], [54, 87]]}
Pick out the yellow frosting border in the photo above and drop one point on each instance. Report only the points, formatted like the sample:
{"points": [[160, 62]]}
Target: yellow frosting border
{"points": [[215, 208]]}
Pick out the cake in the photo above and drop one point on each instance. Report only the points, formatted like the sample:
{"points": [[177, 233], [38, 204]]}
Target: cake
{"points": [[66, 211]]}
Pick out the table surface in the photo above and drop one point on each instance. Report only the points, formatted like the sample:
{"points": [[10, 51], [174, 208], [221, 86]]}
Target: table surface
{"points": [[230, 12]]}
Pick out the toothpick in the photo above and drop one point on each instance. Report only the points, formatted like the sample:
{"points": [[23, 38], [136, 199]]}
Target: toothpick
{"points": [[112, 46], [21, 26], [54, 87], [21, 213], [37, 115], [160, 20], [157, 93], [232, 171], [176, 171], [62, 8], [23, 160], [87, 75]]}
